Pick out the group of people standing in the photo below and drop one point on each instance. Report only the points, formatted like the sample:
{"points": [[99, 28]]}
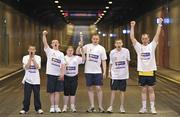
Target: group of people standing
{"points": [[62, 72]]}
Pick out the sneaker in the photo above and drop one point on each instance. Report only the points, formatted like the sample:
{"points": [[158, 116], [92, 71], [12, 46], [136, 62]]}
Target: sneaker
{"points": [[142, 110], [40, 111], [52, 110], [64, 109], [101, 110], [73, 109], [57, 110], [122, 110], [110, 109], [153, 111], [23, 112], [91, 109]]}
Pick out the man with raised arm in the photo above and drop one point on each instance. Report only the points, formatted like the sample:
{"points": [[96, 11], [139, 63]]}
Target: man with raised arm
{"points": [[146, 65], [55, 72], [95, 56]]}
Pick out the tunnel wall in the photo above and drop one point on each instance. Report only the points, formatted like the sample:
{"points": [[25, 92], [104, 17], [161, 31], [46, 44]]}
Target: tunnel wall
{"points": [[18, 31]]}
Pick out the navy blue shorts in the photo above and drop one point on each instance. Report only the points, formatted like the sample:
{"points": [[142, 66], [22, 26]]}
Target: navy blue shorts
{"points": [[118, 85], [70, 85], [147, 80], [94, 79], [54, 84]]}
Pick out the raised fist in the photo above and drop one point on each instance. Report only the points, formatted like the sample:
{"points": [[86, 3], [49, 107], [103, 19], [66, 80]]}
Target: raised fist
{"points": [[81, 43], [160, 20], [45, 32], [133, 23]]}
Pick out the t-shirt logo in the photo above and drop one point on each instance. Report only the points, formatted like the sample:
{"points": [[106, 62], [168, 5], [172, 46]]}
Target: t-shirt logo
{"points": [[120, 64], [70, 69], [32, 69], [145, 56], [93, 57], [56, 62]]}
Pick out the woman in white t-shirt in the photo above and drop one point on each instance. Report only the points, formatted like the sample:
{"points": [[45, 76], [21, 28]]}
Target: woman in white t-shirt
{"points": [[71, 77], [31, 80], [146, 65], [118, 72]]}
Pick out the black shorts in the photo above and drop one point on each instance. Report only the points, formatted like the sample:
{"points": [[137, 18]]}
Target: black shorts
{"points": [[94, 79], [70, 85], [118, 85], [54, 84], [147, 80]]}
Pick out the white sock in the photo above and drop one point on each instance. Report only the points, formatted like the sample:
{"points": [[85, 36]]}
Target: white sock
{"points": [[152, 104], [72, 106], [65, 106], [52, 106], [56, 106], [144, 104]]}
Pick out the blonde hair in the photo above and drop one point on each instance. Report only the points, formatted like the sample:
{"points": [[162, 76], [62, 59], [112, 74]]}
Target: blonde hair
{"points": [[70, 47]]}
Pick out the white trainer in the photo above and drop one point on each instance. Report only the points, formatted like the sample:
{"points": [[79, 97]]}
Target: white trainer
{"points": [[52, 110], [40, 111], [57, 110], [153, 111], [122, 110], [110, 109], [65, 108], [73, 108], [23, 112], [142, 110]]}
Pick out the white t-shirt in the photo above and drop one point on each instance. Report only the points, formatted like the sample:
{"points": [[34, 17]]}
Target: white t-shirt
{"points": [[94, 55], [72, 64], [54, 60], [146, 56], [32, 74], [119, 61]]}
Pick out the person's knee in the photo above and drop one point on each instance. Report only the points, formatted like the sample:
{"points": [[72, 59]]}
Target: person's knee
{"points": [[98, 88], [150, 89], [90, 88], [144, 89]]}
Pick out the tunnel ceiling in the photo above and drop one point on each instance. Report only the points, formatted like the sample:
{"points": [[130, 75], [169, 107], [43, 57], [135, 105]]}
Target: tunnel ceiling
{"points": [[84, 12]]}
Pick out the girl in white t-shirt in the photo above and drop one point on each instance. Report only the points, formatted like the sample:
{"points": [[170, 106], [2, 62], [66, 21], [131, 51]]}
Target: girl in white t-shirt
{"points": [[71, 77], [118, 72]]}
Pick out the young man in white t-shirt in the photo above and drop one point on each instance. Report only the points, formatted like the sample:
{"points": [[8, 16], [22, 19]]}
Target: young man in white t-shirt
{"points": [[146, 65], [118, 72], [95, 56], [71, 77], [31, 80], [55, 72]]}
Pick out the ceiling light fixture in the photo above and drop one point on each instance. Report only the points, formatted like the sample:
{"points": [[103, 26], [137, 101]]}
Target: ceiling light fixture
{"points": [[107, 7], [59, 7], [56, 1], [110, 2]]}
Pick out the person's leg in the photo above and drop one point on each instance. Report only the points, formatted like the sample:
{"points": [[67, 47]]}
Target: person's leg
{"points": [[113, 92], [56, 98], [51, 89], [66, 92], [100, 98], [122, 99], [152, 99], [27, 96], [37, 102], [52, 99], [59, 87], [91, 95], [144, 96]]}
